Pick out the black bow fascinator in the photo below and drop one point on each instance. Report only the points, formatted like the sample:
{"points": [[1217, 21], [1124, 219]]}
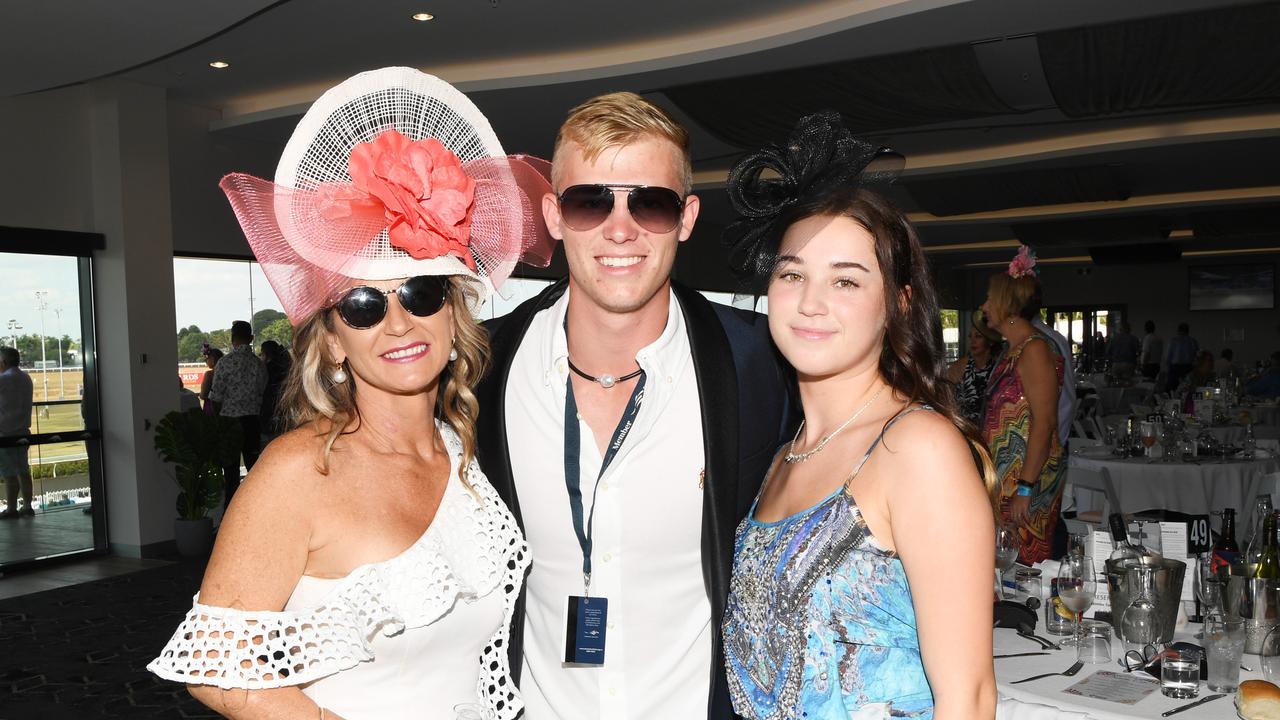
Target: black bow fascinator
{"points": [[819, 158]]}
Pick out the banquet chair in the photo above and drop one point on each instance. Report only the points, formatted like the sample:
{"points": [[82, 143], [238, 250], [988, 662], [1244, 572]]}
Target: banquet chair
{"points": [[1095, 490]]}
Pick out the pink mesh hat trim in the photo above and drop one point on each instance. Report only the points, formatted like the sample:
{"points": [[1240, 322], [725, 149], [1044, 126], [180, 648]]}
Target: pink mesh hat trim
{"points": [[309, 256]]}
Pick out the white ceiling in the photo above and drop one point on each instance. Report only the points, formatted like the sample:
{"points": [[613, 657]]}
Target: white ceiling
{"points": [[525, 62]]}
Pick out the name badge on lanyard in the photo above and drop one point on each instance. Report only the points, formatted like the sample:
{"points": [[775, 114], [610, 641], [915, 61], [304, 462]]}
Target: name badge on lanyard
{"points": [[587, 618]]}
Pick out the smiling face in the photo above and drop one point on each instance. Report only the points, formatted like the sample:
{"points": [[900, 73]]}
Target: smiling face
{"points": [[402, 355], [618, 266], [826, 299]]}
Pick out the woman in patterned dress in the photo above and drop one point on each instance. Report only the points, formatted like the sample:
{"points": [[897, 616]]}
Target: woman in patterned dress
{"points": [[1021, 422], [971, 372], [859, 585], [366, 568]]}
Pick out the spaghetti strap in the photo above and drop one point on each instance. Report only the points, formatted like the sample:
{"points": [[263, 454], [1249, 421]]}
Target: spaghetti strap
{"points": [[875, 443]]}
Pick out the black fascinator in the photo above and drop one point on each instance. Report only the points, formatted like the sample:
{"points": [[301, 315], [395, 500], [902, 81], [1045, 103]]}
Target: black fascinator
{"points": [[820, 157]]}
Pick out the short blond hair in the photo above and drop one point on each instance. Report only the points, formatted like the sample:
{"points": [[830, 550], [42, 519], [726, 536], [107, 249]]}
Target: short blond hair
{"points": [[615, 120], [1014, 296]]}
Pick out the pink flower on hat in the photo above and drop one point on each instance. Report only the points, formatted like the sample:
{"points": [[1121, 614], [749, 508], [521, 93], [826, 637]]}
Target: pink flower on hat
{"points": [[1023, 264], [426, 197]]}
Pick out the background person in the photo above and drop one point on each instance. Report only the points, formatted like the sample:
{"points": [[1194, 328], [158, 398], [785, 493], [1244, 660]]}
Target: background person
{"points": [[970, 372], [1021, 425], [1123, 352], [276, 359], [844, 602], [1152, 351], [16, 396], [211, 357], [239, 380], [368, 535], [1180, 355]]}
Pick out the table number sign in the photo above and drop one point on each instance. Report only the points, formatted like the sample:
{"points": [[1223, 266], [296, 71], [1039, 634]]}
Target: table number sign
{"points": [[1199, 538]]}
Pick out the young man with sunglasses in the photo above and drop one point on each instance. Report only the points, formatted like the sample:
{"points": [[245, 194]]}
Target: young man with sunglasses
{"points": [[627, 422]]}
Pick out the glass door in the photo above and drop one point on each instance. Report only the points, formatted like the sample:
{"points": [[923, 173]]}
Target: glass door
{"points": [[50, 462]]}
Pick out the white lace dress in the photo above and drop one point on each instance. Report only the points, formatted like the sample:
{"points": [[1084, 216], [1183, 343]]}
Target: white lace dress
{"points": [[410, 637]]}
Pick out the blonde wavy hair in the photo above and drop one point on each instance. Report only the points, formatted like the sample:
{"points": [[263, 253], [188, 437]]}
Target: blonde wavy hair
{"points": [[615, 120], [311, 397]]}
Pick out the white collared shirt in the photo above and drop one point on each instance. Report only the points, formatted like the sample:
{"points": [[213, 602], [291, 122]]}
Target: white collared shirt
{"points": [[647, 539]]}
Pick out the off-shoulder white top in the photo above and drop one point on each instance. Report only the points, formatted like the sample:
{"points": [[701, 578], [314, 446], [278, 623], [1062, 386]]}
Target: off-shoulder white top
{"points": [[410, 637]]}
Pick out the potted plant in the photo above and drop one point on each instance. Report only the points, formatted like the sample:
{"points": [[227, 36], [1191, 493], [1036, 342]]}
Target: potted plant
{"points": [[199, 446]]}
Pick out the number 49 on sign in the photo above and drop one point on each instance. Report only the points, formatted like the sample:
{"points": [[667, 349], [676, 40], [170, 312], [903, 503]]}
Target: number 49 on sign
{"points": [[1199, 537]]}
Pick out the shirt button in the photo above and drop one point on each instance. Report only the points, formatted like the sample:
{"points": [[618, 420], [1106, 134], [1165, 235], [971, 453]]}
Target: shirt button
{"points": [[604, 487], [608, 557], [668, 379], [612, 691], [610, 626]]}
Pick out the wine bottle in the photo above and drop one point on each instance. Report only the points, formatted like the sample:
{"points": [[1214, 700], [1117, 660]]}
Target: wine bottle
{"points": [[1268, 567], [1226, 551], [1122, 549]]}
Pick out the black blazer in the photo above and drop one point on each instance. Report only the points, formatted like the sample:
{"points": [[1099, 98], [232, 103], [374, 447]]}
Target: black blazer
{"points": [[743, 391]]}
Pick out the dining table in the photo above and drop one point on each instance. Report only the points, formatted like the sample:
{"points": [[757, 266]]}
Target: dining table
{"points": [[1045, 699], [1197, 487]]}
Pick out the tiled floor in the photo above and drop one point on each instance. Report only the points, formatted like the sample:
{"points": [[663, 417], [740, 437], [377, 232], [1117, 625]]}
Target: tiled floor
{"points": [[48, 533], [74, 572]]}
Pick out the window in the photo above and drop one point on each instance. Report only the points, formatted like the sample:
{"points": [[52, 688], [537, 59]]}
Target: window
{"points": [[51, 463]]}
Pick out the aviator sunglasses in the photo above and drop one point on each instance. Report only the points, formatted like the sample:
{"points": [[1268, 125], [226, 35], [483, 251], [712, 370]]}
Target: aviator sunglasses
{"points": [[363, 307], [656, 209]]}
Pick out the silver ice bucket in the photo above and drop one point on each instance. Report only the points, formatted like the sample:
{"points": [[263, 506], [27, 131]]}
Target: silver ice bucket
{"points": [[1123, 586], [1256, 601]]}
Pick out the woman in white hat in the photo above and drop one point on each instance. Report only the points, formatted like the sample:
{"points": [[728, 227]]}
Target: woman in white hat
{"points": [[366, 568]]}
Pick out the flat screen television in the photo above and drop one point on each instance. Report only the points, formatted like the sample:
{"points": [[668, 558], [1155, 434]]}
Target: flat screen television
{"points": [[1232, 287]]}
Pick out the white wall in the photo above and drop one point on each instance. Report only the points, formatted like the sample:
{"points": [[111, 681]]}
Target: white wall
{"points": [[45, 146]]}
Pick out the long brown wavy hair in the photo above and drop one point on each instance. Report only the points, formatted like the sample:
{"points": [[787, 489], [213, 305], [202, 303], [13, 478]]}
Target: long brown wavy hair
{"points": [[311, 397], [912, 360]]}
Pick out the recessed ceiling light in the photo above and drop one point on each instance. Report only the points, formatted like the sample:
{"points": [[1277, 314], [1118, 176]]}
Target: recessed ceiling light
{"points": [[423, 17], [219, 64]]}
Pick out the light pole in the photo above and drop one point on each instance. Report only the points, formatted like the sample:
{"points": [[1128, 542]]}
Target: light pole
{"points": [[42, 304], [14, 327], [62, 385]]}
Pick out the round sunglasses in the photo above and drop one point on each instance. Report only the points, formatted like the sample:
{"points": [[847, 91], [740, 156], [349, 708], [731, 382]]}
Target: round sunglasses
{"points": [[656, 209], [363, 307]]}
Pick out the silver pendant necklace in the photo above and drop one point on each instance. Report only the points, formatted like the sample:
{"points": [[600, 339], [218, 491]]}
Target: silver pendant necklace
{"points": [[605, 381], [794, 457]]}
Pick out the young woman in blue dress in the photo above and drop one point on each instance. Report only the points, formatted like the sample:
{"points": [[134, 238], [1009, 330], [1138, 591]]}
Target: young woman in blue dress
{"points": [[861, 583]]}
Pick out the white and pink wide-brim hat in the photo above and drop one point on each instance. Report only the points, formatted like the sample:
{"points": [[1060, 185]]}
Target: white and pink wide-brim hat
{"points": [[391, 174]]}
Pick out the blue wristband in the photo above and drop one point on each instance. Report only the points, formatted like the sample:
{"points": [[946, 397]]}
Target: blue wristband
{"points": [[1023, 491]]}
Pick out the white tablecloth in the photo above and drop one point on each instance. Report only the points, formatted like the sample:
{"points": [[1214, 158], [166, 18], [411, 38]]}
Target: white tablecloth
{"points": [[1044, 699], [1192, 488]]}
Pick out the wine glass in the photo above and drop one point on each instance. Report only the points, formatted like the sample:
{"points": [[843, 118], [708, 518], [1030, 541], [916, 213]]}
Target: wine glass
{"points": [[1077, 585], [1208, 588], [1008, 544], [1148, 435]]}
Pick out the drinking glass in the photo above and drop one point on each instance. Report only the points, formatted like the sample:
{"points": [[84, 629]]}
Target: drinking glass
{"points": [[1008, 544], [1224, 643], [1180, 672], [1095, 642], [468, 711], [1208, 587], [1076, 587], [1077, 543], [1148, 436]]}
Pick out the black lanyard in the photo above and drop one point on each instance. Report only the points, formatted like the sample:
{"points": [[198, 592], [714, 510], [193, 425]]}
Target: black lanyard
{"points": [[573, 469]]}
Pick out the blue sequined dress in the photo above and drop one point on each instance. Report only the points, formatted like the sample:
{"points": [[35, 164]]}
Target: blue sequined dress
{"points": [[820, 622]]}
